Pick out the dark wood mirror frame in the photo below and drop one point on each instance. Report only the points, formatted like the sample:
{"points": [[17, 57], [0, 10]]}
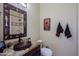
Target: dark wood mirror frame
{"points": [[6, 29]]}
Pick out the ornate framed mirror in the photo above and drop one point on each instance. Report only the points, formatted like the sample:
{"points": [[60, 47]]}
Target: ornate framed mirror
{"points": [[15, 22]]}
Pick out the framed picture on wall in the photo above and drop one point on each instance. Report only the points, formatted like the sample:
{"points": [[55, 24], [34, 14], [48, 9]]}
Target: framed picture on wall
{"points": [[15, 22], [47, 24]]}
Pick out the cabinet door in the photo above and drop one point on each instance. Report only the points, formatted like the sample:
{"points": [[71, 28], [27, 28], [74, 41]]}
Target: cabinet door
{"points": [[33, 52]]}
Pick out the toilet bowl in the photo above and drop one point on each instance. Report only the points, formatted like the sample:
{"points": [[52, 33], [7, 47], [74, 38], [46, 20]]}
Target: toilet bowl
{"points": [[46, 52]]}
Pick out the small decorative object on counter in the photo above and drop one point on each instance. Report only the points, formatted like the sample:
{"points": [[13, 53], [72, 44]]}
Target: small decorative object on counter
{"points": [[29, 42], [9, 45], [2, 46]]}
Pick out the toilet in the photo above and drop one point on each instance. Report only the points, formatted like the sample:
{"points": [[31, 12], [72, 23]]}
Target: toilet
{"points": [[46, 52]]}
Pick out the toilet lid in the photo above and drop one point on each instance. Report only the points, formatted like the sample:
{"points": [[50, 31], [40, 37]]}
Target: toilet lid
{"points": [[46, 52]]}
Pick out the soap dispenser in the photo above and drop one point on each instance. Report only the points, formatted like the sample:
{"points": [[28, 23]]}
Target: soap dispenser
{"points": [[29, 42]]}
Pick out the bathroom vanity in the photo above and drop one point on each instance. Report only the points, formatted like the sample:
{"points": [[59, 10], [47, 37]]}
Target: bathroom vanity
{"points": [[33, 50], [15, 26]]}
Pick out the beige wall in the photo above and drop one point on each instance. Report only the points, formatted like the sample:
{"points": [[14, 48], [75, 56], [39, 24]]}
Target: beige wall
{"points": [[33, 21], [65, 13], [1, 22]]}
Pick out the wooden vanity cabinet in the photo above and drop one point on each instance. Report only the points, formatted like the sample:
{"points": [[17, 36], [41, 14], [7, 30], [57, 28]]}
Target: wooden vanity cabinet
{"points": [[34, 52]]}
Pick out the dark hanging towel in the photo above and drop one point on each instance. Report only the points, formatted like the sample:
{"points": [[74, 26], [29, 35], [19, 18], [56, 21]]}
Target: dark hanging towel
{"points": [[59, 30], [67, 32]]}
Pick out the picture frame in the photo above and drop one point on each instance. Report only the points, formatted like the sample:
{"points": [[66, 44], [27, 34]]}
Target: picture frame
{"points": [[47, 24], [11, 28]]}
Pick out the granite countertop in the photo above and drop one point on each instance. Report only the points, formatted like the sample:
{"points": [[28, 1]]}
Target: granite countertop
{"points": [[11, 52]]}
